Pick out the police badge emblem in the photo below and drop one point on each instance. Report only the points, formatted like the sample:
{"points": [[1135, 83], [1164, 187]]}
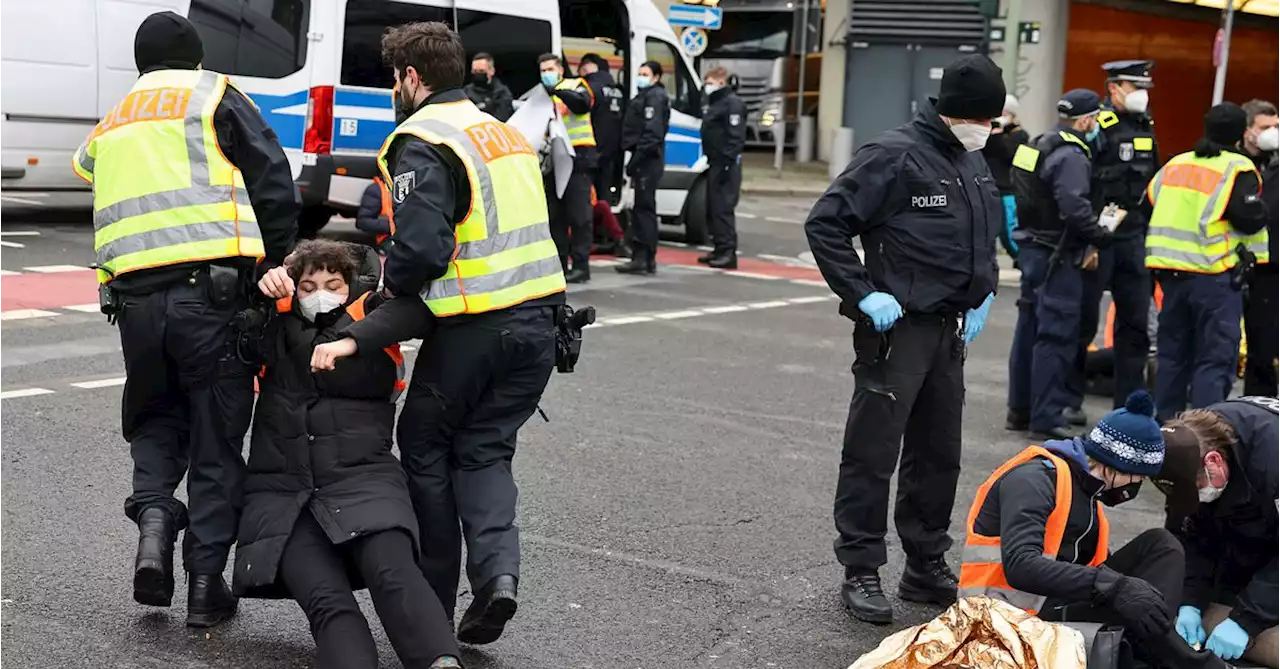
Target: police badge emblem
{"points": [[404, 184], [735, 119], [648, 113], [1126, 151]]}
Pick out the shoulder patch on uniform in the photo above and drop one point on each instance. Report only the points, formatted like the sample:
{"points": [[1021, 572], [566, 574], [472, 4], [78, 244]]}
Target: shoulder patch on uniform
{"points": [[648, 113], [1026, 158], [404, 184], [1107, 119], [735, 119]]}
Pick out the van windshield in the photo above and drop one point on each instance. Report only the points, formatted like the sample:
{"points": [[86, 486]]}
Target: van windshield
{"points": [[752, 35]]}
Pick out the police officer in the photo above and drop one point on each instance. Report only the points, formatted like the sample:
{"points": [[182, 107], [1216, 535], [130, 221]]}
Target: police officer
{"points": [[571, 213], [924, 202], [724, 133], [488, 91], [1220, 474], [1261, 141], [644, 135], [191, 192], [1125, 158], [1056, 224], [1202, 201], [606, 122], [453, 171]]}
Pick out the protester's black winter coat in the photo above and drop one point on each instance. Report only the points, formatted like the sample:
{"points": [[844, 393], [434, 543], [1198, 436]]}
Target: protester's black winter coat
{"points": [[322, 442], [1231, 543]]}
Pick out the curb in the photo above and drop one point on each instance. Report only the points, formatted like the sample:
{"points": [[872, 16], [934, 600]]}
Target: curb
{"points": [[777, 191]]}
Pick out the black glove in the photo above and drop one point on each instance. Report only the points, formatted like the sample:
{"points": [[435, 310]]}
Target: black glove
{"points": [[1138, 604], [632, 168]]}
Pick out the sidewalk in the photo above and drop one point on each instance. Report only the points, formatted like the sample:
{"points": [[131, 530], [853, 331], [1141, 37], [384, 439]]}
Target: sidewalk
{"points": [[761, 180]]}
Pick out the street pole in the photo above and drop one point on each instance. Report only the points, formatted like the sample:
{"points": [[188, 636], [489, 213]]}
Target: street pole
{"points": [[1012, 42], [1220, 77], [804, 56]]}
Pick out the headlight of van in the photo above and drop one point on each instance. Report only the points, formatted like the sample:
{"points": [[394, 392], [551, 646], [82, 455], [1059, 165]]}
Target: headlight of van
{"points": [[769, 116]]}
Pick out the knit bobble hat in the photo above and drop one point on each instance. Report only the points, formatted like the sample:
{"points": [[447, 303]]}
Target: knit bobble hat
{"points": [[1129, 439]]}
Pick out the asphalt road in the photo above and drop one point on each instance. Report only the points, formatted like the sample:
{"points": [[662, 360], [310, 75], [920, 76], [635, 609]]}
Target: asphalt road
{"points": [[675, 511]]}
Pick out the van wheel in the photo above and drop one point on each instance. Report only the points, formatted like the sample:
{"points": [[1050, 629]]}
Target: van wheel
{"points": [[695, 214], [311, 220]]}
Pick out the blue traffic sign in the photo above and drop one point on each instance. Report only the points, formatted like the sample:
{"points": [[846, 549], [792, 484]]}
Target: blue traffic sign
{"points": [[694, 41], [698, 16]]}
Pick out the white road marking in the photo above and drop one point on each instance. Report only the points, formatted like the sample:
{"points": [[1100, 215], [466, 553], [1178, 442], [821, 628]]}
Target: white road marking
{"points": [[750, 275], [779, 219], [55, 269], [768, 305], [94, 308], [21, 233], [745, 215], [24, 392], [810, 282], [23, 314], [625, 320], [20, 200], [672, 315], [11, 245], [810, 299], [6, 272], [725, 309], [100, 383]]}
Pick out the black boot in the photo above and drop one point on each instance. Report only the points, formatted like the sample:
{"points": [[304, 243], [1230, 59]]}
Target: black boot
{"points": [[1058, 432], [577, 275], [724, 261], [864, 598], [153, 567], [928, 581], [1171, 650], [1016, 420], [639, 264], [1075, 416], [706, 258], [209, 601], [489, 612]]}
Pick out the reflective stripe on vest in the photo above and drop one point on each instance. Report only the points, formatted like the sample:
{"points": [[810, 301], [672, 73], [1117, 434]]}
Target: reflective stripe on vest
{"points": [[504, 254], [163, 191], [1188, 231], [982, 567], [357, 313], [578, 126], [388, 209]]}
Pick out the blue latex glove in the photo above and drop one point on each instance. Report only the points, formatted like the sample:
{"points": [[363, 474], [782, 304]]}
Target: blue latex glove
{"points": [[976, 319], [1228, 640], [882, 309], [1190, 625]]}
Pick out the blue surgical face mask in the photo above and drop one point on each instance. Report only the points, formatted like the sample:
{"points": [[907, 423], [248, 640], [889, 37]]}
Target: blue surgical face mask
{"points": [[550, 78], [643, 82], [1092, 134]]}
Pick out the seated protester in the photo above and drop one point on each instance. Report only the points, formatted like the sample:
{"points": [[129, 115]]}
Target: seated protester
{"points": [[1220, 475], [374, 214], [605, 226], [1048, 501], [327, 508]]}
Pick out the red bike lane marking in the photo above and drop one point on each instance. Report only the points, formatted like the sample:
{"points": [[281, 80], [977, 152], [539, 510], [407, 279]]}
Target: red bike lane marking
{"points": [[46, 291]]}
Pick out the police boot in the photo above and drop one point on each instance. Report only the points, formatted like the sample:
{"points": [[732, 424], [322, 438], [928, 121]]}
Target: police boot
{"points": [[209, 601], [1171, 651], [864, 598], [724, 261], [928, 581], [1017, 420], [706, 257], [640, 264], [577, 275], [1075, 416], [153, 566], [1056, 432], [489, 612]]}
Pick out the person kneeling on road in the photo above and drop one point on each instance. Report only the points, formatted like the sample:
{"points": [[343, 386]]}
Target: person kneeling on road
{"points": [[1048, 501], [327, 506], [1220, 474]]}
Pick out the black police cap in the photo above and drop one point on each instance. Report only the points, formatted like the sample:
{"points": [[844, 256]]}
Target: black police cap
{"points": [[1138, 72], [1079, 102]]}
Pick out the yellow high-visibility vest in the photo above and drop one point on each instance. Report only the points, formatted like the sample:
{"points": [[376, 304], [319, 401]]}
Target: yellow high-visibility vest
{"points": [[578, 126], [504, 254], [163, 191], [1188, 231]]}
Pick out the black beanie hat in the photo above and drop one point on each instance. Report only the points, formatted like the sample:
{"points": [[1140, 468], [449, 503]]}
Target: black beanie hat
{"points": [[1225, 124], [972, 88], [169, 40]]}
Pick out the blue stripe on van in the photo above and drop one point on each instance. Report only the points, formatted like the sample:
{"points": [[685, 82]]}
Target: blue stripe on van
{"points": [[289, 127], [685, 151], [362, 98], [367, 134]]}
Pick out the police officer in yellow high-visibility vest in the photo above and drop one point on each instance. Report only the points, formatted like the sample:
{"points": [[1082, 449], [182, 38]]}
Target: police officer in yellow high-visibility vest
{"points": [[473, 242], [1205, 204], [571, 211], [191, 192]]}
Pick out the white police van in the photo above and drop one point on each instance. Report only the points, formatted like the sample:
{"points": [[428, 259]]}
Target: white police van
{"points": [[314, 68]]}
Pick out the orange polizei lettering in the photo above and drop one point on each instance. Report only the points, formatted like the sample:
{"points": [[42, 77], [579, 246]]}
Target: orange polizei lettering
{"points": [[1193, 177], [155, 104], [497, 140]]}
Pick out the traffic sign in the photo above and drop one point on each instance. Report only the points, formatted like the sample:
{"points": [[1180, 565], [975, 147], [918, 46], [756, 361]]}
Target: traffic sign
{"points": [[694, 41], [707, 18]]}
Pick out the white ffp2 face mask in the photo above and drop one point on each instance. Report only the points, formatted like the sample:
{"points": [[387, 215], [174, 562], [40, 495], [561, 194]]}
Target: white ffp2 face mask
{"points": [[1269, 139], [1209, 494], [973, 137], [319, 302], [1137, 101]]}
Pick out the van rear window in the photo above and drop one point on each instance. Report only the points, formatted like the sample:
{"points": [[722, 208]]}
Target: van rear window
{"points": [[366, 21], [252, 38]]}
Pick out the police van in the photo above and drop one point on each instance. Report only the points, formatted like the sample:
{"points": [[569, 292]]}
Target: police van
{"points": [[314, 68]]}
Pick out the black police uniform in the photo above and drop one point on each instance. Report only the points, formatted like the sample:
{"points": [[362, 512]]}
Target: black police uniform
{"points": [[570, 213], [1126, 157], [644, 134], [999, 153], [606, 122], [491, 96], [189, 394], [474, 384], [1230, 543], [1056, 223], [724, 133], [1260, 306], [928, 213]]}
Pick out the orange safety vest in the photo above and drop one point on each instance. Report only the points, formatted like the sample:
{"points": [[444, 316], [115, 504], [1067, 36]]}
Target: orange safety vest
{"points": [[982, 570], [388, 209], [357, 313]]}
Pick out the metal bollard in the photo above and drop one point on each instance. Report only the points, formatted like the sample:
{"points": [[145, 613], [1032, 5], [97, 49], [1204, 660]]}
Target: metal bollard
{"points": [[779, 143], [804, 139], [841, 151]]}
